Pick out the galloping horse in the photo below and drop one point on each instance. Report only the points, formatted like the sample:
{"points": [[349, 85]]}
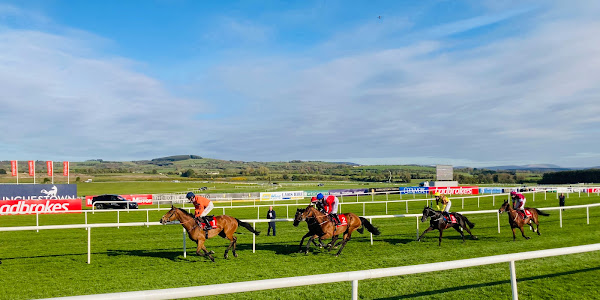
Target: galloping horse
{"points": [[321, 226], [226, 227], [437, 222], [516, 221]]}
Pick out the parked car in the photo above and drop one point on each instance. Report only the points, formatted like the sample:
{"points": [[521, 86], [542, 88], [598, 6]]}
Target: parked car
{"points": [[117, 201]]}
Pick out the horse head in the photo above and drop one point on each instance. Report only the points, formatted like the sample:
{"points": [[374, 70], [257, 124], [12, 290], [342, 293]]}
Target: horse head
{"points": [[427, 212], [298, 217], [505, 206], [170, 216]]}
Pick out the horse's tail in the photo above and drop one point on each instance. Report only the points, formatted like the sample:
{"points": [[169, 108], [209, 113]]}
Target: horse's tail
{"points": [[469, 223], [372, 229], [541, 212], [247, 226]]}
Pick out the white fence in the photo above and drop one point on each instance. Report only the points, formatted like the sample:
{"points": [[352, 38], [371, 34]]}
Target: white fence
{"points": [[354, 277], [370, 218]]}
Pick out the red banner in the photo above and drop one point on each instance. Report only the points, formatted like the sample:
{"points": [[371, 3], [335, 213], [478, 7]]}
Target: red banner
{"points": [[65, 168], [39, 206], [31, 168], [13, 167], [594, 190], [50, 167], [455, 190], [145, 199]]}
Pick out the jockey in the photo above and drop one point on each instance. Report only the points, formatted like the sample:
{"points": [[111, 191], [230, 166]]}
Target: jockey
{"points": [[446, 204], [518, 203], [330, 204], [202, 207]]}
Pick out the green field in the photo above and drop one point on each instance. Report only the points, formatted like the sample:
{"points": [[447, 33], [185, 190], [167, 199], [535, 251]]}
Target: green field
{"points": [[52, 263]]}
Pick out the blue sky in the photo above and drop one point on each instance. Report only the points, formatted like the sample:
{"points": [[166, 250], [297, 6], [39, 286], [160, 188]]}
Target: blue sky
{"points": [[475, 83]]}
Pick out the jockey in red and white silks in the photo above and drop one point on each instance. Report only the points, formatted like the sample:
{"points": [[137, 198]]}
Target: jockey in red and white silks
{"points": [[518, 202]]}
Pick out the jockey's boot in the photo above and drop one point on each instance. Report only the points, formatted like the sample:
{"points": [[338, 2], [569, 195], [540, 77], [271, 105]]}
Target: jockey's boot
{"points": [[336, 218], [207, 227]]}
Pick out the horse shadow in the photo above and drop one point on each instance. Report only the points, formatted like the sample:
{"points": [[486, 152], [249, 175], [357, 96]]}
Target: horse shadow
{"points": [[397, 241], [169, 254]]}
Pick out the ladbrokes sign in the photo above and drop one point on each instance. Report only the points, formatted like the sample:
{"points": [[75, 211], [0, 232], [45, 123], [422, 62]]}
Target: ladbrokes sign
{"points": [[39, 206]]}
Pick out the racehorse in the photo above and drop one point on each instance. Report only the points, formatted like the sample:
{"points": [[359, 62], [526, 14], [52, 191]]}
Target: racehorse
{"points": [[314, 229], [226, 227], [327, 228], [439, 223], [515, 220]]}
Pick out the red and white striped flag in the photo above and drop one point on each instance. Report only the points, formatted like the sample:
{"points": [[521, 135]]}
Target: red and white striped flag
{"points": [[65, 168], [50, 166], [31, 167], [13, 167]]}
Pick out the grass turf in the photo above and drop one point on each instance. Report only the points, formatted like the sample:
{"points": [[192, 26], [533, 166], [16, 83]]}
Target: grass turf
{"points": [[53, 262]]}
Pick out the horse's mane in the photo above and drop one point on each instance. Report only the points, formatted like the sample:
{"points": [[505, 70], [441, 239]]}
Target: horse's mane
{"points": [[185, 212]]}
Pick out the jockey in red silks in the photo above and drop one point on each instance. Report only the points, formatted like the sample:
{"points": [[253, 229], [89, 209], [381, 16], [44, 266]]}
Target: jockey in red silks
{"points": [[330, 203], [518, 203]]}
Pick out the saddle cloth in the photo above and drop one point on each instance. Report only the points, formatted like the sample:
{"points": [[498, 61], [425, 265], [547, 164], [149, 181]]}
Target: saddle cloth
{"points": [[343, 221], [452, 219], [527, 213], [212, 220]]}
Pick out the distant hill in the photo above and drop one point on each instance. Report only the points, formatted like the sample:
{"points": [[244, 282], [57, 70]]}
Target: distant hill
{"points": [[177, 158], [532, 167]]}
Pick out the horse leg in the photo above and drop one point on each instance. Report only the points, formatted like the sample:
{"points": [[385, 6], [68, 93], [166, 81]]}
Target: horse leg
{"points": [[523, 233], [203, 248], [346, 239], [233, 240], [302, 241], [424, 232], [312, 238], [459, 229], [331, 244], [440, 238], [514, 236]]}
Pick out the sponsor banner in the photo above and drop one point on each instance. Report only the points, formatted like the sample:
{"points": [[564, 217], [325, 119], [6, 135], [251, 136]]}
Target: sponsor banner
{"points": [[564, 190], [314, 193], [145, 199], [594, 190], [488, 190], [50, 167], [65, 168], [37, 191], [31, 164], [383, 189], [13, 168], [348, 192], [282, 195], [457, 190], [414, 190], [48, 206]]}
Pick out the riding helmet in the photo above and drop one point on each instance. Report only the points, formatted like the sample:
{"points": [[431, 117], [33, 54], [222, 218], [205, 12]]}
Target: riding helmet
{"points": [[319, 196], [190, 195], [437, 194]]}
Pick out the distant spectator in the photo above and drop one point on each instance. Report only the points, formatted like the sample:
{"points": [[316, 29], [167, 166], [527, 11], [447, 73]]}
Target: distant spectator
{"points": [[271, 215], [561, 199]]}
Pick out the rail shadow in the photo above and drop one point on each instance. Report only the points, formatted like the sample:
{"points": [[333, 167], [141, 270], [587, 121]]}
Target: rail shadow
{"points": [[487, 284]]}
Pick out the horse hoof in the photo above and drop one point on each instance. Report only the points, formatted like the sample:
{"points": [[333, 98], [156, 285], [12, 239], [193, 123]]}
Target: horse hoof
{"points": [[527, 238], [226, 256], [211, 252], [235, 255]]}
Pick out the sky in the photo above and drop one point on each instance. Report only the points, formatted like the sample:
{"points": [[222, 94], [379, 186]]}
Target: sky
{"points": [[467, 83]]}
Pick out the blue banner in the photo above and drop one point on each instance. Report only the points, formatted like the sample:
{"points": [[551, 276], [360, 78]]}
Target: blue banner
{"points": [[490, 190], [414, 190], [37, 191]]}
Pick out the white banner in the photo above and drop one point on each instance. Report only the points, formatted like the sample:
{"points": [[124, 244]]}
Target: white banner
{"points": [[282, 195]]}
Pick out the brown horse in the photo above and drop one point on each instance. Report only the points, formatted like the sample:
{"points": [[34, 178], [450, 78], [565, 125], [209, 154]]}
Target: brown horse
{"points": [[327, 229], [226, 227], [515, 220]]}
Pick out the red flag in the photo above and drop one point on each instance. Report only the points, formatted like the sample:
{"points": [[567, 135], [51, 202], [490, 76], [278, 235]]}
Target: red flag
{"points": [[65, 168], [50, 166], [31, 168], [13, 167]]}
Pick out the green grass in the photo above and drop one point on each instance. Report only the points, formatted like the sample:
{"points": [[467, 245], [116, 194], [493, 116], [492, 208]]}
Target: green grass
{"points": [[52, 263]]}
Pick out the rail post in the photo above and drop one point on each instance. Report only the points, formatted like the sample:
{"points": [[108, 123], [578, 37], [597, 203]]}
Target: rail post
{"points": [[478, 200], [371, 221], [37, 219], [254, 238], [463, 203], [354, 289], [89, 245], [587, 210], [406, 202], [513, 280], [184, 247], [498, 214], [386, 208], [560, 216], [147, 217], [118, 218], [417, 227]]}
